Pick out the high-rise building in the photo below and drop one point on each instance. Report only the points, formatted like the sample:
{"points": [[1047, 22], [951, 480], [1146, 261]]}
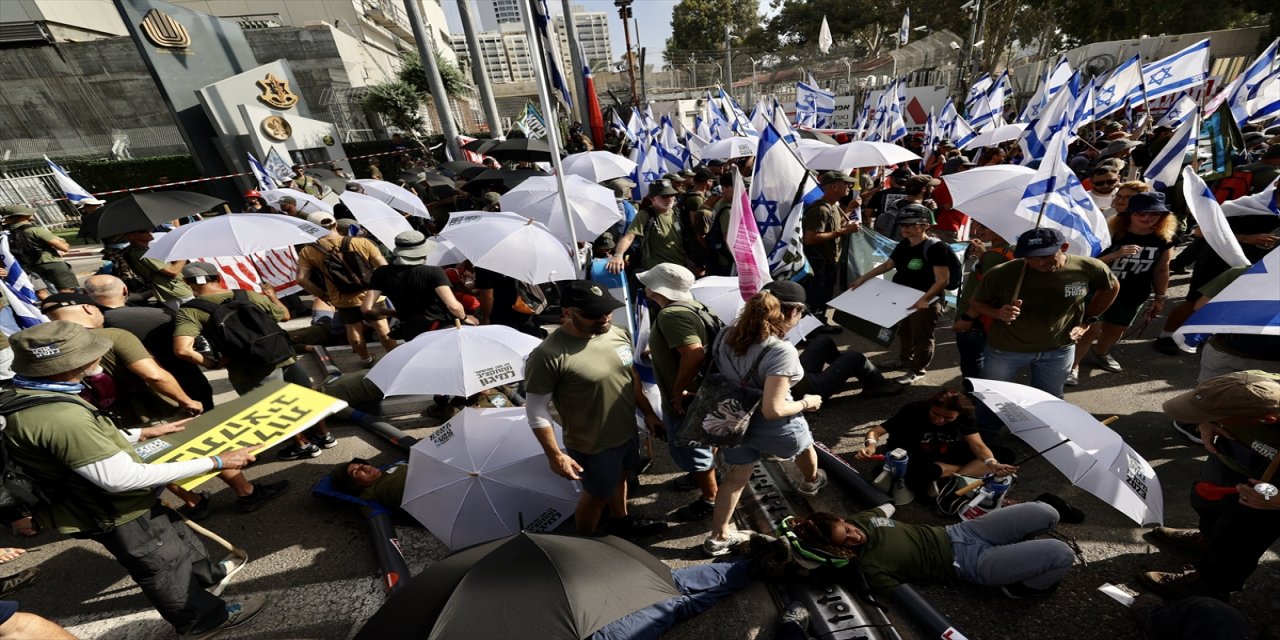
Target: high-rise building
{"points": [[593, 35], [506, 48], [491, 14], [492, 50]]}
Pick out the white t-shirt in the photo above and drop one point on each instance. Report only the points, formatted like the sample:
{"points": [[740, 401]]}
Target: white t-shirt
{"points": [[1103, 201]]}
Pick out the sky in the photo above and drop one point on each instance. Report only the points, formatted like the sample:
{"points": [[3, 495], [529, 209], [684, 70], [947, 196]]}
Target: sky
{"points": [[654, 22]]}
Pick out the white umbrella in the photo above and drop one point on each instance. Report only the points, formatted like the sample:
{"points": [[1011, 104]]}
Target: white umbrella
{"points": [[458, 361], [235, 234], [991, 195], [378, 218], [306, 202], [721, 295], [1096, 459], [996, 135], [730, 148], [593, 207], [442, 253], [483, 476], [597, 166], [857, 155], [395, 195], [510, 244]]}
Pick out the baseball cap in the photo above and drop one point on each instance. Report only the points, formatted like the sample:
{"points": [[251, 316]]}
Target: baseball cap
{"points": [[715, 162], [921, 181], [786, 291], [702, 174], [1151, 201], [901, 173], [589, 297], [914, 214], [662, 188], [201, 273], [252, 193], [668, 280], [287, 200], [830, 177], [60, 300], [51, 348], [1038, 242], [14, 210], [1243, 394], [89, 201], [321, 218]]}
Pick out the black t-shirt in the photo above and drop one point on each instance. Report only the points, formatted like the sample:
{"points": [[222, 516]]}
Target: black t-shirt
{"points": [[911, 429], [412, 290], [1210, 265], [504, 295], [913, 267], [154, 328], [1135, 272], [885, 197]]}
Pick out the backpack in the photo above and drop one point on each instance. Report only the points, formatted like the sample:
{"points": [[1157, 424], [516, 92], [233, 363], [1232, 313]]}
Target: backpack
{"points": [[710, 322], [25, 250], [955, 269], [1236, 185], [717, 244], [349, 271], [530, 299], [244, 332], [18, 490]]}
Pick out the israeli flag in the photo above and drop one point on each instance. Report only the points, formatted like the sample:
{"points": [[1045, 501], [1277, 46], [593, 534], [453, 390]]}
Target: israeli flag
{"points": [[860, 124], [1164, 168], [988, 111], [70, 188], [1082, 112], [1214, 228], [1262, 203], [1265, 65], [1052, 82], [740, 124], [550, 51], [1177, 114], [673, 153], [265, 181], [961, 131], [977, 92], [1247, 306], [1264, 101], [622, 127], [721, 128], [1178, 72], [813, 105], [1113, 93], [778, 118], [1055, 117], [780, 190], [895, 126], [1067, 206], [648, 168], [904, 31], [21, 311]]}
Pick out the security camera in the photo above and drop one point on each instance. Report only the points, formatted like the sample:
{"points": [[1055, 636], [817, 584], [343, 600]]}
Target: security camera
{"points": [[955, 45]]}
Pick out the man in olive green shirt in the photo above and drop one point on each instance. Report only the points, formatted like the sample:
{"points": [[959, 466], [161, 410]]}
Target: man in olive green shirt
{"points": [[660, 231], [359, 478], [165, 278], [825, 225], [49, 265]]}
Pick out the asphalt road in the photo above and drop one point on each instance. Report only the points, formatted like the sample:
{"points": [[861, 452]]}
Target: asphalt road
{"points": [[313, 558]]}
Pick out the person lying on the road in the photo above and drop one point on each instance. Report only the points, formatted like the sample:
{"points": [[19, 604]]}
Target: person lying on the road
{"points": [[993, 550], [367, 482]]}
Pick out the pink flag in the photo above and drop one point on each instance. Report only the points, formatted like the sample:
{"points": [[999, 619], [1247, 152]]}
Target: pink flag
{"points": [[744, 242]]}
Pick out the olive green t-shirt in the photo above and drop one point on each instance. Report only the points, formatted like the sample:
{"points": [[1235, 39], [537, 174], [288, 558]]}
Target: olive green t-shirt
{"points": [[590, 382], [191, 322], [1052, 303], [50, 440], [135, 401], [388, 488], [167, 287], [677, 325], [40, 237], [692, 204], [666, 245], [990, 258], [897, 553], [824, 217]]}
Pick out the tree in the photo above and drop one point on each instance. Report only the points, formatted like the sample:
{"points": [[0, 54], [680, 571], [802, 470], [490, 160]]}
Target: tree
{"points": [[1084, 21], [399, 104], [863, 27], [697, 27], [411, 72]]}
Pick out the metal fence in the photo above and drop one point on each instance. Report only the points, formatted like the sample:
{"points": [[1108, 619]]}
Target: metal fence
{"points": [[36, 187], [161, 140]]}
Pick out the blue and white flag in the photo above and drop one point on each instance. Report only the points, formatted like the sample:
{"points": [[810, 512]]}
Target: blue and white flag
{"points": [[718, 121], [1181, 71], [962, 132], [977, 91], [761, 113], [701, 128], [1209, 216], [739, 123], [648, 168], [1067, 206], [1265, 65], [673, 153], [549, 43], [1164, 168], [1113, 93], [70, 188], [895, 125], [265, 181], [931, 138], [622, 127], [1247, 306], [21, 310], [1264, 100], [1054, 79], [860, 124], [1262, 203], [904, 32], [1054, 117], [988, 111], [780, 190], [1082, 111], [1179, 111], [813, 105], [778, 118]]}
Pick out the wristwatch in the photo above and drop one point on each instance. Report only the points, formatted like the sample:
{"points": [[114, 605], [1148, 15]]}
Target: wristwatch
{"points": [[1090, 320]]}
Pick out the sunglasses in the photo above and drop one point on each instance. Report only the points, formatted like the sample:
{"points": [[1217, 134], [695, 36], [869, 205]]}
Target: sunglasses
{"points": [[590, 317], [1105, 183]]}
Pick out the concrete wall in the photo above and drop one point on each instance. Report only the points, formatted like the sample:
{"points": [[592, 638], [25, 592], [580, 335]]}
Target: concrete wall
{"points": [[68, 20]]}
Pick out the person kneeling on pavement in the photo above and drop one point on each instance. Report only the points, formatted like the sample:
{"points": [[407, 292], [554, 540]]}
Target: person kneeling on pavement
{"points": [[994, 550], [109, 495]]}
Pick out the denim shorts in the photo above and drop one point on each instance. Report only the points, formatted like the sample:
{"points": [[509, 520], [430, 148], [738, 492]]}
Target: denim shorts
{"points": [[687, 459], [785, 440], [602, 471]]}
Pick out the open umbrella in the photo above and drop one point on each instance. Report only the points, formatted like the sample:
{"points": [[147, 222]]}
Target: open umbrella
{"points": [[456, 167], [597, 166], [858, 154], [531, 585], [991, 195], [142, 211], [730, 148], [521, 150], [306, 202], [236, 234], [471, 172], [383, 222], [482, 476], [458, 361], [811, 134], [591, 206], [721, 295], [434, 179], [996, 135], [481, 145], [329, 178], [510, 244], [396, 196], [1095, 459], [442, 253], [500, 179]]}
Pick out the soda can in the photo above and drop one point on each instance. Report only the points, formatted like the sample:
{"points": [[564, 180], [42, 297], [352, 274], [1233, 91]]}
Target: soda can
{"points": [[895, 462], [1266, 489]]}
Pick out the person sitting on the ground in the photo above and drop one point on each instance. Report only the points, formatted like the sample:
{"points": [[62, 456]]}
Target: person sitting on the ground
{"points": [[942, 440], [993, 550], [367, 482], [827, 369]]}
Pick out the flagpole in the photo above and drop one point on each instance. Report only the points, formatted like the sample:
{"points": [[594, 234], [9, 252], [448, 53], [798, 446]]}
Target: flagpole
{"points": [[553, 129], [1044, 202]]}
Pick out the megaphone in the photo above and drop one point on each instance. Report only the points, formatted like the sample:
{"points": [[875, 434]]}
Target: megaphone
{"points": [[893, 477]]}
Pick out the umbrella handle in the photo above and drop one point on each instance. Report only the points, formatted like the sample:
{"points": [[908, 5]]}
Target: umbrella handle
{"points": [[1108, 421], [969, 488]]}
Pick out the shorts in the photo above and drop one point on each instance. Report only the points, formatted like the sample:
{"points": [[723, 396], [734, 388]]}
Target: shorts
{"points": [[57, 275], [783, 441], [602, 471], [688, 459], [1122, 312], [350, 316]]}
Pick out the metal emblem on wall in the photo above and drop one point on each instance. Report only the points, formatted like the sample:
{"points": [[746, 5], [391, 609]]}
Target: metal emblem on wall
{"points": [[277, 128], [275, 92], [164, 31]]}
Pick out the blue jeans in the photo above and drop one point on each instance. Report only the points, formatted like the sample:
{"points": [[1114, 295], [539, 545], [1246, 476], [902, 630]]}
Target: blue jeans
{"points": [[702, 585], [994, 550], [1049, 371], [972, 345], [687, 459]]}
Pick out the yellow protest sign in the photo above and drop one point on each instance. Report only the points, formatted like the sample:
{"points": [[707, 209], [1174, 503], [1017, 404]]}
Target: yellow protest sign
{"points": [[260, 419]]}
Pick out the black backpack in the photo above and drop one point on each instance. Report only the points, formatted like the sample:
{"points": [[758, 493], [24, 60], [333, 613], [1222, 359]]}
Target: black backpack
{"points": [[18, 490], [713, 325], [25, 250], [346, 269], [244, 332], [955, 270]]}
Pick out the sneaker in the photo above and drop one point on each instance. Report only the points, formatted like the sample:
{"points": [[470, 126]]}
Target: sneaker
{"points": [[685, 482], [1189, 431], [830, 329], [1167, 346], [262, 494], [199, 511], [12, 583], [231, 565], [633, 527], [368, 364], [1018, 591], [889, 365], [884, 390], [812, 488], [1175, 586], [1189, 539], [238, 614], [796, 616], [324, 440], [1109, 363], [909, 379], [696, 510], [296, 451], [1073, 377], [716, 548]]}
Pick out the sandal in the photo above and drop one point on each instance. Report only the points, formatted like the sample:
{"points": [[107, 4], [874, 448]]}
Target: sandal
{"points": [[25, 527], [9, 554]]}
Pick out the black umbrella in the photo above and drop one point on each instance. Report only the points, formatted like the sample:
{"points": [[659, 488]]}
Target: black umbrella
{"points": [[89, 225], [434, 179], [817, 135], [457, 167], [142, 211], [502, 180], [531, 585], [522, 150], [472, 172], [481, 145], [411, 176]]}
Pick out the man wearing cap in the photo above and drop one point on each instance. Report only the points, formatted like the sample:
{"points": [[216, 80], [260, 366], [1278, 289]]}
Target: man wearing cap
{"points": [[288, 205], [163, 277], [695, 206], [305, 183], [1239, 422], [48, 263], [825, 225], [659, 229], [1037, 325], [883, 199], [585, 367], [916, 190], [361, 479], [312, 259], [104, 492], [421, 295], [677, 344]]}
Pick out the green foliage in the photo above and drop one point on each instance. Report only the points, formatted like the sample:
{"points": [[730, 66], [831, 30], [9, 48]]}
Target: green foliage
{"points": [[411, 72], [697, 27], [1084, 21], [398, 103], [108, 175]]}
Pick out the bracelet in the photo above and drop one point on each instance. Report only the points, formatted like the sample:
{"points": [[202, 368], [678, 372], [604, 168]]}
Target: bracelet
{"points": [[804, 403], [217, 461], [990, 462], [1161, 296]]}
